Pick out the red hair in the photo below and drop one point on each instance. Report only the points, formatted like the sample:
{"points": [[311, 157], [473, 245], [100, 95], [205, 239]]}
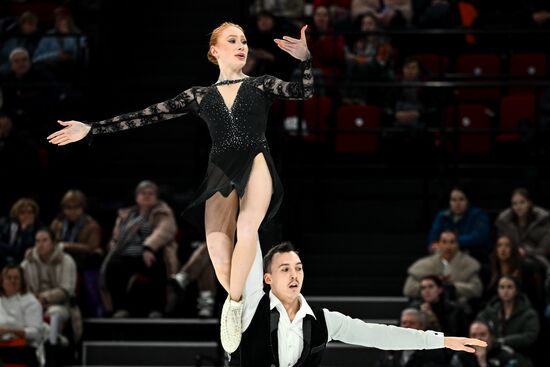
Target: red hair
{"points": [[214, 38]]}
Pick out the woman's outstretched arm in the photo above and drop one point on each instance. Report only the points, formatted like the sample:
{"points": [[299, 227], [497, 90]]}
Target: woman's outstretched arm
{"points": [[172, 108]]}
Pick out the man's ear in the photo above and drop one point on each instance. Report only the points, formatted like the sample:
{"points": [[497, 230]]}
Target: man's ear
{"points": [[267, 278]]}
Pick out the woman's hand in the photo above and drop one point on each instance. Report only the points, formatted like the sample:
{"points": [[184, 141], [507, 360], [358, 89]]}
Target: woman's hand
{"points": [[295, 47], [463, 344], [73, 131]]}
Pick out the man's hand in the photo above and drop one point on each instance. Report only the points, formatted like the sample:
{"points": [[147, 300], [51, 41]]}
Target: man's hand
{"points": [[149, 258], [463, 344]]}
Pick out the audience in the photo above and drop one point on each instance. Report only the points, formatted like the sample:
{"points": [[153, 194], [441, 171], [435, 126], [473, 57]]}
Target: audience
{"points": [[441, 313], [458, 270], [21, 327], [134, 272], [527, 225], [413, 319], [470, 223], [25, 36], [17, 233], [292, 9], [327, 48], [80, 236], [495, 355], [198, 268], [511, 316], [51, 277]]}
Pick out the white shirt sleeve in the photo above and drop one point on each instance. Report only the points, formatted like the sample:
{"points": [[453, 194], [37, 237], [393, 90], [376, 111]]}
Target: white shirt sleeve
{"points": [[32, 311], [354, 331], [254, 288]]}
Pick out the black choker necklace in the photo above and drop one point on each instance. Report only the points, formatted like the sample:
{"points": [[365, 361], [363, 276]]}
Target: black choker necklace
{"points": [[230, 81]]}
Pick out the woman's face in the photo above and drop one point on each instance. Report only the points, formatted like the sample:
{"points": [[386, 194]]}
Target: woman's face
{"points": [[504, 248], [458, 202], [25, 216], [520, 205], [11, 282], [368, 24], [321, 18], [44, 244], [72, 211], [231, 48], [507, 290], [62, 24]]}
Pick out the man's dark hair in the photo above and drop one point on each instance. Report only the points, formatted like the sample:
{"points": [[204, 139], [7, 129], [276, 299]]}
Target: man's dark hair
{"points": [[434, 278], [280, 248], [452, 231]]}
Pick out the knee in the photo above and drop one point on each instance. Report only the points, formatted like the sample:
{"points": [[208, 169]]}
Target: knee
{"points": [[246, 229]]}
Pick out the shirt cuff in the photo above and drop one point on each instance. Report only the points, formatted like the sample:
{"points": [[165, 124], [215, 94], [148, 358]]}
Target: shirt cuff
{"points": [[434, 339]]}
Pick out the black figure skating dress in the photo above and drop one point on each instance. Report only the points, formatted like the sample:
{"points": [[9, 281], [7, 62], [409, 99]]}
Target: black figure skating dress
{"points": [[237, 132]]}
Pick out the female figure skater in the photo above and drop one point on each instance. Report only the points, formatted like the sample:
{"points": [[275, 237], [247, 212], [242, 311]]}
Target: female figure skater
{"points": [[241, 189]]}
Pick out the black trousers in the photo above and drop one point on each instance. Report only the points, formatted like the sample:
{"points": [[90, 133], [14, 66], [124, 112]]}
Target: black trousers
{"points": [[134, 286], [18, 355]]}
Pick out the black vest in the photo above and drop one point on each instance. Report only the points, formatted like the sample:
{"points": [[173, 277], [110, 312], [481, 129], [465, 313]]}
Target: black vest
{"points": [[259, 344]]}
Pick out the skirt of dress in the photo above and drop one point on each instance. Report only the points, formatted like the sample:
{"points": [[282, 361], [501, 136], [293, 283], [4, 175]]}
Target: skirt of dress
{"points": [[231, 171]]}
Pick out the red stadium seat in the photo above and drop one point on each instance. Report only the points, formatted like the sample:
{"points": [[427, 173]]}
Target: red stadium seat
{"points": [[358, 118], [470, 116], [435, 64], [516, 111], [315, 114], [526, 66], [477, 67]]}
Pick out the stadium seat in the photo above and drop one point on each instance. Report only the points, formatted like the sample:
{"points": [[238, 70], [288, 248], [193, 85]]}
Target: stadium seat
{"points": [[477, 67], [516, 112], [526, 66], [315, 113], [470, 116], [357, 118], [433, 63]]}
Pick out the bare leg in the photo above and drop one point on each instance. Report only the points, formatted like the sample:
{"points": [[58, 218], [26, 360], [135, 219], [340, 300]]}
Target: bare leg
{"points": [[220, 224], [253, 207], [198, 260]]}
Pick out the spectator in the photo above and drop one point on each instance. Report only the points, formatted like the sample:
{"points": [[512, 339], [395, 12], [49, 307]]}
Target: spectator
{"points": [[369, 59], [327, 48], [198, 268], [17, 233], [339, 9], [495, 355], [391, 13], [511, 316], [471, 224], [29, 97], [63, 48], [359, 8], [80, 236], [292, 9], [436, 14], [527, 225], [268, 56], [51, 277], [21, 326], [441, 313], [413, 319], [458, 270], [26, 36], [143, 237], [506, 260]]}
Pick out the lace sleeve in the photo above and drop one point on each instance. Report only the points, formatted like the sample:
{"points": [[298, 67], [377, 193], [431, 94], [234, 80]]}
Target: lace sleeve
{"points": [[181, 104], [302, 89]]}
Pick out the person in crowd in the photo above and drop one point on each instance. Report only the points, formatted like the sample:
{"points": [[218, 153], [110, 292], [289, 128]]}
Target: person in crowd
{"points": [[29, 97], [290, 9], [134, 271], [510, 315], [471, 224], [64, 47], [495, 355], [339, 9], [411, 318], [197, 268], [458, 270], [51, 277], [25, 36], [441, 313], [326, 47], [389, 12], [17, 233], [21, 327], [80, 236], [435, 14], [527, 225]]}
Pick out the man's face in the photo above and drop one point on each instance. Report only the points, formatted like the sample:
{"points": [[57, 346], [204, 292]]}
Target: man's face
{"points": [[458, 202], [20, 63], [146, 198], [285, 276], [410, 321], [507, 290], [265, 23], [448, 247], [430, 291]]}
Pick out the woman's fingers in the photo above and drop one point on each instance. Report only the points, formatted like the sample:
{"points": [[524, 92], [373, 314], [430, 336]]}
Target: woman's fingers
{"points": [[303, 33], [55, 134], [290, 39], [64, 123]]}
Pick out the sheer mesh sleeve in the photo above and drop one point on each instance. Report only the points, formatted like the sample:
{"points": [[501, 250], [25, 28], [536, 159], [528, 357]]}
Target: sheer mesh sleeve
{"points": [[181, 104], [302, 89]]}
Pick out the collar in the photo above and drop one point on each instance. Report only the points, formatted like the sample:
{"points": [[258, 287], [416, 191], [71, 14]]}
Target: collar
{"points": [[304, 310]]}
